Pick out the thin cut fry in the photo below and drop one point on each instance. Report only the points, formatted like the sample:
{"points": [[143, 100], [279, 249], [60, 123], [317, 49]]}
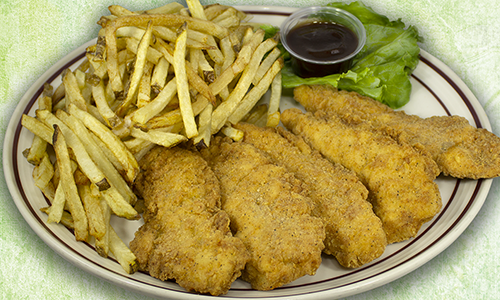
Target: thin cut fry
{"points": [[166, 139], [126, 159], [69, 186], [122, 253], [140, 62], [273, 114], [182, 85]]}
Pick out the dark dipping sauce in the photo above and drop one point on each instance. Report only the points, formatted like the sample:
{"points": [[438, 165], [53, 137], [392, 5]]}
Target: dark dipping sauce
{"points": [[324, 42]]}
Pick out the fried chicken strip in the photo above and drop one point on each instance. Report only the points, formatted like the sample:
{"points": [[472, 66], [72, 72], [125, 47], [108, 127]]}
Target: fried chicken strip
{"points": [[354, 234], [186, 236], [269, 213], [459, 149], [400, 180]]}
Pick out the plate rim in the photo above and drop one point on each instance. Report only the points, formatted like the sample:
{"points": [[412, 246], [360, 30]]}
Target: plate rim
{"points": [[9, 164]]}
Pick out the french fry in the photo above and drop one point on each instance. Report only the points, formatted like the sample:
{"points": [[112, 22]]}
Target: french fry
{"points": [[182, 84], [119, 205], [205, 122], [273, 114], [42, 175], [233, 133], [57, 207], [102, 161], [266, 64], [66, 218], [170, 8], [143, 20], [122, 253], [226, 108], [86, 164], [35, 153], [97, 227], [175, 117], [238, 65], [160, 74], [38, 128], [102, 105], [139, 64], [102, 244], [254, 95], [69, 186], [145, 113], [258, 113], [73, 93], [166, 139], [144, 91], [126, 159]]}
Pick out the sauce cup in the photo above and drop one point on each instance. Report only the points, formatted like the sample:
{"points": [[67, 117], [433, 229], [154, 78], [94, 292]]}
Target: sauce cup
{"points": [[309, 57]]}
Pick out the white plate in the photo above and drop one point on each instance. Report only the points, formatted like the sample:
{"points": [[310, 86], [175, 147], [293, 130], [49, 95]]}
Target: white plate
{"points": [[436, 91]]}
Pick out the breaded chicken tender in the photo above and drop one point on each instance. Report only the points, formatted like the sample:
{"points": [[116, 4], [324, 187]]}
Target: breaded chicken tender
{"points": [[459, 149], [354, 234], [399, 179], [186, 236], [269, 213]]}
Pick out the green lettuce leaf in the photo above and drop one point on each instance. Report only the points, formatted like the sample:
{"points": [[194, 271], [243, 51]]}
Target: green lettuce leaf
{"points": [[383, 67]]}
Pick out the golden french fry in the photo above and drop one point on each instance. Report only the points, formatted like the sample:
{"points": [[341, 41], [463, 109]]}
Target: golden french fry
{"points": [[145, 113], [102, 244], [38, 128], [144, 91], [119, 205], [273, 114], [266, 64], [130, 31], [122, 253], [257, 113], [198, 84], [102, 105], [238, 65], [100, 158], [69, 187], [66, 218], [152, 55], [57, 207], [174, 117], [73, 93], [143, 20], [140, 62], [86, 164], [204, 123], [170, 8], [91, 204], [160, 74], [35, 153], [126, 159], [196, 9], [182, 85], [166, 139], [254, 95], [42, 175], [233, 133], [226, 108]]}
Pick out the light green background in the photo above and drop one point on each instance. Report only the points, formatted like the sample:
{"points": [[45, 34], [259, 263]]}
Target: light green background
{"points": [[463, 34]]}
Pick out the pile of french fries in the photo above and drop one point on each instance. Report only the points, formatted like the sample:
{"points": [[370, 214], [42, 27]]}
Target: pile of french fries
{"points": [[156, 77]]}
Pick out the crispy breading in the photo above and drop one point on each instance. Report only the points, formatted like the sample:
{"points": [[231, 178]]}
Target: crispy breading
{"points": [[186, 236], [269, 213], [459, 149], [354, 234], [399, 179]]}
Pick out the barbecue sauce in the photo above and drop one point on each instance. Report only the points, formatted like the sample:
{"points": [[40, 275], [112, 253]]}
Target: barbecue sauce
{"points": [[322, 42]]}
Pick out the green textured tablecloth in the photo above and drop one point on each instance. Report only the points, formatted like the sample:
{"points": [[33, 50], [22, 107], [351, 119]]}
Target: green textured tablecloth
{"points": [[36, 34]]}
